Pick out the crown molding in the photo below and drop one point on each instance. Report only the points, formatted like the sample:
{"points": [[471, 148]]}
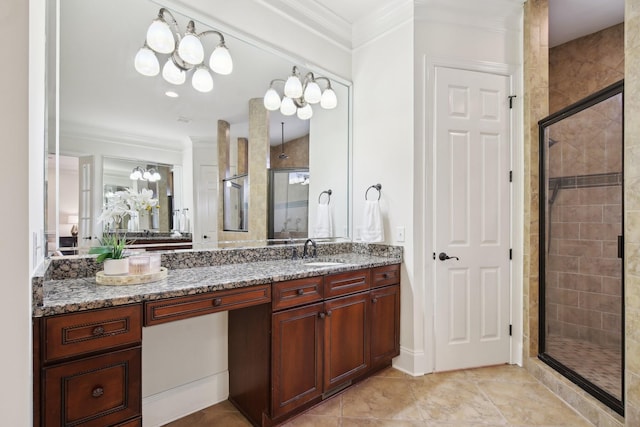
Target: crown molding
{"points": [[314, 17], [382, 21], [496, 15]]}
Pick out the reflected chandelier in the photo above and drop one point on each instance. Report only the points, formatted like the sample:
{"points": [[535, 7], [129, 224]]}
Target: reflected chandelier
{"points": [[140, 174], [299, 94], [185, 53]]}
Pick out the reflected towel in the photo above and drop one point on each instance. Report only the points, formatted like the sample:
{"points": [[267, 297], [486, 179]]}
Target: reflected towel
{"points": [[372, 230], [324, 224]]}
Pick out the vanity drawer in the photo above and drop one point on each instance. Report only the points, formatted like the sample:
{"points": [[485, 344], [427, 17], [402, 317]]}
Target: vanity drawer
{"points": [[346, 283], [297, 292], [95, 391], [387, 275], [90, 331], [168, 310]]}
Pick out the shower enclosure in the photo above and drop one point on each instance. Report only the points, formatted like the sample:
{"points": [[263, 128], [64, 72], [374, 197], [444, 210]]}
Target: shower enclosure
{"points": [[581, 244]]}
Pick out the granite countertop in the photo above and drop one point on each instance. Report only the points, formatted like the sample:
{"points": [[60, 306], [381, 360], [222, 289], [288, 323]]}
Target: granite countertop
{"points": [[72, 295]]}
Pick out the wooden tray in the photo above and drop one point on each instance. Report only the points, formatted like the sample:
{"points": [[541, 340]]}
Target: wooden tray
{"points": [[130, 279]]}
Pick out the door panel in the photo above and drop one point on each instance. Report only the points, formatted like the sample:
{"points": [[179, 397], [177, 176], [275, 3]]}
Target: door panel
{"points": [[471, 222]]}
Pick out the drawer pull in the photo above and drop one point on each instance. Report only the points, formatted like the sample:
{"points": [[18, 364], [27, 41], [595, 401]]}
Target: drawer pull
{"points": [[217, 302], [98, 330], [374, 300], [300, 291], [97, 392], [385, 275]]}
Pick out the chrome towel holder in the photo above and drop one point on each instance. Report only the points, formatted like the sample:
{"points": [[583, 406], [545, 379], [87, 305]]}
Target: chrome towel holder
{"points": [[328, 193], [377, 187]]}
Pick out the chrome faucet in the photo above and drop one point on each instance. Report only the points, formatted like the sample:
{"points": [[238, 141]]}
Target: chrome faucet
{"points": [[305, 252]]}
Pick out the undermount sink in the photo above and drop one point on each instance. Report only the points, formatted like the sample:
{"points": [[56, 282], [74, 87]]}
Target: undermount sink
{"points": [[323, 263]]}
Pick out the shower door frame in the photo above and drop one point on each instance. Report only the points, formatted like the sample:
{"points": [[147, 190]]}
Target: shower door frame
{"points": [[594, 390]]}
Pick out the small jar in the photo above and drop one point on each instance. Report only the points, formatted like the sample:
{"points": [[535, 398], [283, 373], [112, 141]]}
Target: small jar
{"points": [[139, 264], [154, 263]]}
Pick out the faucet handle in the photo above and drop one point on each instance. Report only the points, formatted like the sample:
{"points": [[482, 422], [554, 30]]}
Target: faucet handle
{"points": [[294, 253]]}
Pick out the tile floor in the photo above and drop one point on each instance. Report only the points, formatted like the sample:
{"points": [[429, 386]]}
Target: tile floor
{"points": [[600, 365], [494, 396]]}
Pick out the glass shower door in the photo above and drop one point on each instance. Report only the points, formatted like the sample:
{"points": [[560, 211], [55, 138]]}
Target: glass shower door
{"points": [[581, 259]]}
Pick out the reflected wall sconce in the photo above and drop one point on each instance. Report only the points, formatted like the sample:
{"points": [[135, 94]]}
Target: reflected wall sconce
{"points": [[140, 174], [299, 94], [185, 52]]}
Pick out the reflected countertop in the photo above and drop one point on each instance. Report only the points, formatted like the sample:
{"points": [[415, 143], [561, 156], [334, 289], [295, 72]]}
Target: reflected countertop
{"points": [[78, 294]]}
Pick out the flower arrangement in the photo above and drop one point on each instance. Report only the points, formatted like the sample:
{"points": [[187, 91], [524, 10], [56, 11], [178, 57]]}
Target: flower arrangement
{"points": [[121, 205]]}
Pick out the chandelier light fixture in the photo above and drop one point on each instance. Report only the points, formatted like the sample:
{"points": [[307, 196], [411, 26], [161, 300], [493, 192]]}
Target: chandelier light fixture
{"points": [[140, 174], [185, 53], [299, 94]]}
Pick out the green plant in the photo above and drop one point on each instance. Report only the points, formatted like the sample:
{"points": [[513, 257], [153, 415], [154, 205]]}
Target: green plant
{"points": [[111, 246]]}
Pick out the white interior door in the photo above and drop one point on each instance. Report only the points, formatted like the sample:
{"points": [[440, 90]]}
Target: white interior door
{"points": [[85, 208], [472, 219], [207, 214]]}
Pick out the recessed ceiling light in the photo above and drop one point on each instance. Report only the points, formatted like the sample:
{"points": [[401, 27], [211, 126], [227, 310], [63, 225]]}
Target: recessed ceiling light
{"points": [[171, 94], [183, 119]]}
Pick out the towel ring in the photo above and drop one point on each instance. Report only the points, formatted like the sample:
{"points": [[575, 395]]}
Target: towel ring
{"points": [[377, 187], [328, 193]]}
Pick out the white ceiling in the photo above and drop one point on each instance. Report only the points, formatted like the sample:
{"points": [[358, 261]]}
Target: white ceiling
{"points": [[100, 88]]}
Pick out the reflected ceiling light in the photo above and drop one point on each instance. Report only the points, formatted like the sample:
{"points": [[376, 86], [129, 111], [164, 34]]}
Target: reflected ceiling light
{"points": [[171, 94], [140, 174], [185, 53], [299, 94]]}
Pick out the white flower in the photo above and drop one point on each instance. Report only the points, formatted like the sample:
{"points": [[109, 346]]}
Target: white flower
{"points": [[126, 203]]}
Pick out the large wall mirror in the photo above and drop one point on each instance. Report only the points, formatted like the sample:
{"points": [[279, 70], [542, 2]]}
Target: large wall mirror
{"points": [[105, 119]]}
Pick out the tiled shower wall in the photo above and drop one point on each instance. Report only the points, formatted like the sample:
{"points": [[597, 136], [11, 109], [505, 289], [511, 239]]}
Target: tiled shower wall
{"points": [[584, 288]]}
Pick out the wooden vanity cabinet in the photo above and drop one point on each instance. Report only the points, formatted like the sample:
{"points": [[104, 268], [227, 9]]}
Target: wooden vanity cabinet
{"points": [[385, 325], [89, 368]]}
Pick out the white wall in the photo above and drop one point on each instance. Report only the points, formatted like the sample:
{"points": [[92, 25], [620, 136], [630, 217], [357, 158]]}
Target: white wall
{"points": [[383, 153], [20, 215]]}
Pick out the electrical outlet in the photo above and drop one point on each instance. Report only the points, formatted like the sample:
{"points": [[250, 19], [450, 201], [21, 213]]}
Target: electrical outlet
{"points": [[400, 234]]}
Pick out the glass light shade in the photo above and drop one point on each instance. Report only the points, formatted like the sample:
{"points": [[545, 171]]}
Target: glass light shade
{"points": [[173, 74], [287, 107], [305, 113], [156, 176], [271, 100], [190, 49], [146, 62], [329, 99], [220, 60], [135, 175], [160, 38], [202, 80], [293, 87], [312, 93], [146, 175]]}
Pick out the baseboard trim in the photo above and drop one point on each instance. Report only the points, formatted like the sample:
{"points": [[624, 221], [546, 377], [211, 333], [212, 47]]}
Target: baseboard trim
{"points": [[410, 362], [175, 403]]}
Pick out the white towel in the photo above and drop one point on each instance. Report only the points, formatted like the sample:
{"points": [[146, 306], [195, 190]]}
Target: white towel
{"points": [[324, 223], [372, 230]]}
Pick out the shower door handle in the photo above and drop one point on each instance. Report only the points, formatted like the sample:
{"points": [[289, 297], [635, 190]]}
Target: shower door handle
{"points": [[443, 257], [620, 247]]}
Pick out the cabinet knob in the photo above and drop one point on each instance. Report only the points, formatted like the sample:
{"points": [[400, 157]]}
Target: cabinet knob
{"points": [[321, 315], [374, 300], [98, 330], [217, 302], [300, 291], [328, 313], [385, 275], [97, 392]]}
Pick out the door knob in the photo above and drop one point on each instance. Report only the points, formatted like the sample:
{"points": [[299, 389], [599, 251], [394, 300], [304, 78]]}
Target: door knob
{"points": [[443, 257]]}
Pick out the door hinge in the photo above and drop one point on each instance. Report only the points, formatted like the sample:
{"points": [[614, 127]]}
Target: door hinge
{"points": [[510, 253], [434, 255], [510, 176], [511, 100], [510, 330]]}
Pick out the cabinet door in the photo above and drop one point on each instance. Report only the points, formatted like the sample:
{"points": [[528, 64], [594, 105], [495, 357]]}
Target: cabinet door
{"points": [[296, 357], [385, 324], [94, 392], [346, 339]]}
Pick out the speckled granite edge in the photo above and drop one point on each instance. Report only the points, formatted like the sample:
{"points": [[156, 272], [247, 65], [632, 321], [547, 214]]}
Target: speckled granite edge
{"points": [[72, 295], [84, 269]]}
